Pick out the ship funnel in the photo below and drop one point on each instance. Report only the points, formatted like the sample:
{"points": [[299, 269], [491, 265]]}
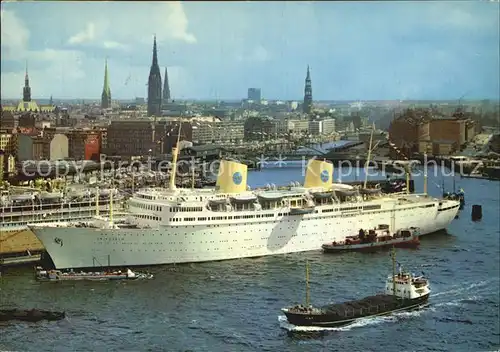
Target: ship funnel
{"points": [[319, 174], [232, 177]]}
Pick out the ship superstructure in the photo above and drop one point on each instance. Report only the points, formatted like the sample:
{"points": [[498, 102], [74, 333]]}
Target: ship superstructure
{"points": [[18, 207], [17, 210], [231, 221]]}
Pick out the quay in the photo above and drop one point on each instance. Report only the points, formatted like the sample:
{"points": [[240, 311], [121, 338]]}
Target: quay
{"points": [[20, 259]]}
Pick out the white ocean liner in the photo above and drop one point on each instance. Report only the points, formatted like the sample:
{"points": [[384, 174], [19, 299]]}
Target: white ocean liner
{"points": [[180, 225]]}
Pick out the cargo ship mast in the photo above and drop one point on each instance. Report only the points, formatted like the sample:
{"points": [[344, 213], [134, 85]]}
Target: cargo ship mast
{"points": [[367, 163], [307, 283], [111, 207], [175, 153], [393, 256]]}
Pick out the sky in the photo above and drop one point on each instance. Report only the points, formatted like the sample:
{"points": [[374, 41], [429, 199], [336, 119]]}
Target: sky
{"points": [[217, 50]]}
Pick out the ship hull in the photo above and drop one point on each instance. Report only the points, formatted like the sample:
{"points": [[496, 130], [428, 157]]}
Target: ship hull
{"points": [[265, 234], [348, 315]]}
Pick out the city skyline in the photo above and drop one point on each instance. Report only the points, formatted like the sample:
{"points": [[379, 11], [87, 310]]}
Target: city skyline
{"points": [[356, 51]]}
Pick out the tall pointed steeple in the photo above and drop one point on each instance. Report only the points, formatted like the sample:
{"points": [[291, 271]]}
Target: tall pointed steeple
{"points": [[166, 88], [154, 85], [26, 88], [307, 106], [106, 91]]}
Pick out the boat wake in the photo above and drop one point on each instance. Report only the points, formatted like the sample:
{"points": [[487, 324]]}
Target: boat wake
{"points": [[284, 324], [458, 289]]}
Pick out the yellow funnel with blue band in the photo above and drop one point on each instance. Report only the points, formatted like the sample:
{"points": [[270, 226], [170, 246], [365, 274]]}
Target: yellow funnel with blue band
{"points": [[232, 177], [319, 174]]}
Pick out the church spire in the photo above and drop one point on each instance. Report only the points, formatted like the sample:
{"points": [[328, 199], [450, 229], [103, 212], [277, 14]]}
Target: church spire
{"points": [[26, 88], [26, 78], [106, 91], [155, 53], [307, 107], [154, 85], [166, 88]]}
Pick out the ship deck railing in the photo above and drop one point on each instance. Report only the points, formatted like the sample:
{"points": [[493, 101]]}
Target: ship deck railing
{"points": [[48, 206], [77, 214], [52, 210]]}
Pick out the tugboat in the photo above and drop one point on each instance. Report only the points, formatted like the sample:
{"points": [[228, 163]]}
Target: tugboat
{"points": [[403, 292], [58, 275], [375, 239]]}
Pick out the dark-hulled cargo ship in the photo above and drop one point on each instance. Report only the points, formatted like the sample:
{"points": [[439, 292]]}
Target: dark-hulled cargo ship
{"points": [[372, 240], [403, 292]]}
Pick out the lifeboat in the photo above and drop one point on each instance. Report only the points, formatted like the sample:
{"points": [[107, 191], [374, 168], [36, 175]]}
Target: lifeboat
{"points": [[346, 193], [270, 197], [322, 195], [243, 199], [301, 210], [49, 196]]}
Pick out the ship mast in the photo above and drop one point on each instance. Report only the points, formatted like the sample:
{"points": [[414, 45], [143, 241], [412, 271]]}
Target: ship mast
{"points": [[193, 174], [307, 283], [407, 169], [393, 256], [425, 173], [97, 201], [369, 156], [111, 207], [175, 153]]}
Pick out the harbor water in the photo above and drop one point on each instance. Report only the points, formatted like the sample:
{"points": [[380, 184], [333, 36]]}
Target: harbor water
{"points": [[235, 305]]}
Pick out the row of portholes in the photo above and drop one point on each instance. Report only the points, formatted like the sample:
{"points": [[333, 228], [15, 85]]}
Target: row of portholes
{"points": [[284, 214]]}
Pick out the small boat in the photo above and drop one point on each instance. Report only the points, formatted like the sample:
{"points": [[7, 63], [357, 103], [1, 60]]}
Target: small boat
{"points": [[31, 315], [375, 239], [460, 196], [58, 275], [403, 292]]}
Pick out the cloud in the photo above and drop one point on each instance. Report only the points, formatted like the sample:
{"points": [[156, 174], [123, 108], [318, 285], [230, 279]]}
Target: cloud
{"points": [[14, 35], [167, 20], [60, 67], [459, 15], [86, 35], [178, 22], [114, 45], [58, 70], [369, 50], [258, 54]]}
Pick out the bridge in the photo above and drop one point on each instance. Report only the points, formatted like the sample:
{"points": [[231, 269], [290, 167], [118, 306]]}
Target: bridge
{"points": [[320, 151]]}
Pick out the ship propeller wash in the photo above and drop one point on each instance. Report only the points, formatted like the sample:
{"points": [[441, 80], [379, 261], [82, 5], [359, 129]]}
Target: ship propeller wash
{"points": [[232, 221]]}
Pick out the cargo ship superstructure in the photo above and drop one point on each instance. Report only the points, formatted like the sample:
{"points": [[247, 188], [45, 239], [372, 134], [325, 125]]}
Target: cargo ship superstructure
{"points": [[231, 221]]}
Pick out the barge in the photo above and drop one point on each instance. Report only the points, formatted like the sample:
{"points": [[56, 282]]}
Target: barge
{"points": [[59, 275]]}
